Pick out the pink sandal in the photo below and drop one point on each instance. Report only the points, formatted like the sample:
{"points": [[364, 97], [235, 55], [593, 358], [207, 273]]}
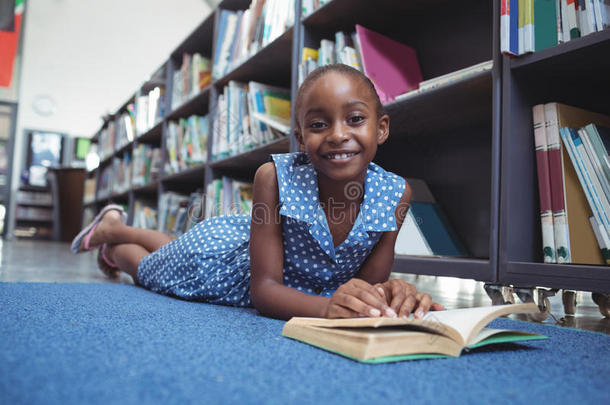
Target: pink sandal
{"points": [[87, 232], [107, 266]]}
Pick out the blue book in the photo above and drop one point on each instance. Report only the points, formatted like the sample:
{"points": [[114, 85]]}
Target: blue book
{"points": [[433, 224], [222, 25], [514, 27]]}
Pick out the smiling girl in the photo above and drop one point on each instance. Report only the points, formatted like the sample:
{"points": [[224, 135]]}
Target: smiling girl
{"points": [[320, 240]]}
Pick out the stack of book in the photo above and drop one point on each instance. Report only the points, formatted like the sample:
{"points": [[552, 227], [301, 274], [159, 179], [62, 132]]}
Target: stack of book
{"points": [[192, 77], [105, 182], [125, 133], [309, 6], [573, 182], [107, 140], [186, 143], [121, 173], [392, 66], [149, 109], [146, 164], [248, 116], [144, 215], [243, 33], [178, 212], [533, 25], [227, 196]]}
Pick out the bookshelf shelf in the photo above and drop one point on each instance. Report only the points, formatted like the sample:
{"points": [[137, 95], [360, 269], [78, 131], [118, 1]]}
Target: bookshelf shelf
{"points": [[448, 107], [570, 54], [253, 158], [198, 104], [270, 65], [569, 276], [477, 269], [120, 195], [193, 174], [147, 188], [153, 135], [121, 150]]}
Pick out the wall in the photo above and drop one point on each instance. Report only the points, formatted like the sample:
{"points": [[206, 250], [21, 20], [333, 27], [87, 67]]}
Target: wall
{"points": [[84, 58]]}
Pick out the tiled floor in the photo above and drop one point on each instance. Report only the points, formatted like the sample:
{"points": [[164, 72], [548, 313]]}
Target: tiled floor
{"points": [[39, 261]]}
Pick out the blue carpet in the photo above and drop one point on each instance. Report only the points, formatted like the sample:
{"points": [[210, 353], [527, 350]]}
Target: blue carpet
{"points": [[110, 343]]}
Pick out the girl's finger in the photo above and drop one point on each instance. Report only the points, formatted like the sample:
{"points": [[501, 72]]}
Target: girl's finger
{"points": [[437, 307], [424, 305], [355, 304], [407, 306], [398, 298], [372, 298]]}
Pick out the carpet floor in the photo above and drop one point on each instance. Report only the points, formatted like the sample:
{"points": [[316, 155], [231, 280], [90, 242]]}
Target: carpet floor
{"points": [[112, 343]]}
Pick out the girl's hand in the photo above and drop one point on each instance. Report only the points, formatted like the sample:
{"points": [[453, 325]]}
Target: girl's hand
{"points": [[357, 298], [404, 298]]}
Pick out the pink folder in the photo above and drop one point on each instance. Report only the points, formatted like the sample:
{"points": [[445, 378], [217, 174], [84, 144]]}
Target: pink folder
{"points": [[392, 66]]}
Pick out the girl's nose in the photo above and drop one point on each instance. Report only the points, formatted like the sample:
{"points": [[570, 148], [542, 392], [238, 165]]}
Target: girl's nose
{"points": [[338, 134]]}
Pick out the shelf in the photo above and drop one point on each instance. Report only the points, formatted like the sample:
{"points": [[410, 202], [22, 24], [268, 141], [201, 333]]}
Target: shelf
{"points": [[147, 188], [153, 135], [477, 269], [197, 104], [569, 276], [119, 196], [191, 175], [26, 219], [569, 55], [118, 152], [34, 204], [270, 65], [444, 108], [252, 159], [27, 187], [89, 203]]}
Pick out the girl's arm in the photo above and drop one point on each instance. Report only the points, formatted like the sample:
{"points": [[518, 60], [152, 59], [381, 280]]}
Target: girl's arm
{"points": [[269, 295], [401, 296]]}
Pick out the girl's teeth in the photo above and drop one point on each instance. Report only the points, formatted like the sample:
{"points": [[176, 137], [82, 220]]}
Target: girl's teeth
{"points": [[341, 156]]}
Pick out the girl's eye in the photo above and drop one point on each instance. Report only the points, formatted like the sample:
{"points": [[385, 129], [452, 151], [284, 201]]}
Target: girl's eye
{"points": [[355, 119], [317, 125]]}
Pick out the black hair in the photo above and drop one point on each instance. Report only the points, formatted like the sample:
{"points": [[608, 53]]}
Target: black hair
{"points": [[336, 68]]}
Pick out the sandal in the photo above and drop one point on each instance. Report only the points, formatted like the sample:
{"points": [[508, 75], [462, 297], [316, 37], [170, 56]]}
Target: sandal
{"points": [[107, 266], [87, 232]]}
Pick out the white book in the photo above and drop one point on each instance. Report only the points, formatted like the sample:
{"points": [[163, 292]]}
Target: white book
{"points": [[223, 62], [565, 23], [528, 28], [598, 230], [410, 240], [594, 159], [281, 124]]}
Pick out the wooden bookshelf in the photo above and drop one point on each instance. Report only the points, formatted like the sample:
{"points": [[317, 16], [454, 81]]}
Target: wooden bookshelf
{"points": [[471, 141]]}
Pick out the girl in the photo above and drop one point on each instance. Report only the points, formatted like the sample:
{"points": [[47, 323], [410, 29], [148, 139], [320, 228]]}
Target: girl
{"points": [[320, 239]]}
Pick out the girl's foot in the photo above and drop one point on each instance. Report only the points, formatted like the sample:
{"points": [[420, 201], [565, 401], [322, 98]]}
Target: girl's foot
{"points": [[105, 264], [100, 233], [82, 241]]}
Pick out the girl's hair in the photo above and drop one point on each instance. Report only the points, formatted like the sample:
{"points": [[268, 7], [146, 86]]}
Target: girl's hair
{"points": [[336, 68]]}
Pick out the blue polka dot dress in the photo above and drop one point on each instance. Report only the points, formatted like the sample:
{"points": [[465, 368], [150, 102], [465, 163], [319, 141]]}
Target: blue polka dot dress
{"points": [[211, 262]]}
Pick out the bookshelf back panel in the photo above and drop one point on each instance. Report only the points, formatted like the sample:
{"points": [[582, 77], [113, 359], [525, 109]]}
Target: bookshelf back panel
{"points": [[457, 168], [447, 35], [200, 40]]}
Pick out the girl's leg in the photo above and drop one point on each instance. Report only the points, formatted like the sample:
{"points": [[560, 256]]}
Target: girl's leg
{"points": [[127, 256]]}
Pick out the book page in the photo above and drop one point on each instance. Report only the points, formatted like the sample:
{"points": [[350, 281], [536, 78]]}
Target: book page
{"points": [[468, 322]]}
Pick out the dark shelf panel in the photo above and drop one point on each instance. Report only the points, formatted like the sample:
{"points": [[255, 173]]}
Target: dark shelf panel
{"points": [[40, 220], [192, 175], [200, 40], [568, 276], [252, 159], [198, 104], [153, 135], [120, 196], [27, 187], [147, 188], [33, 204], [575, 54], [476, 269], [270, 65], [457, 105], [120, 151], [89, 204]]}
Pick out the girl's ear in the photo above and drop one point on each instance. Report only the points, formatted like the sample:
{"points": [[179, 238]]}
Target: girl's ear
{"points": [[299, 137], [383, 128]]}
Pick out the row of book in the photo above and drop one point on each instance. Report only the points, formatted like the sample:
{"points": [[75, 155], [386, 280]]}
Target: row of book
{"points": [[177, 213], [309, 6], [249, 115], [532, 25], [144, 215], [573, 169], [118, 133], [116, 177], [392, 66], [186, 144], [146, 164], [89, 190], [243, 33], [149, 109], [194, 75], [228, 196]]}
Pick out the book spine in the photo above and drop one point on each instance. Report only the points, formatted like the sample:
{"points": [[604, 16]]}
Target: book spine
{"points": [[560, 220], [565, 23], [505, 26], [602, 239], [595, 162], [572, 20], [528, 26], [545, 24], [514, 27], [521, 26], [544, 185]]}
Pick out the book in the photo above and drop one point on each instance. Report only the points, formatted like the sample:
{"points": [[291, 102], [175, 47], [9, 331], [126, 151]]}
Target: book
{"points": [[392, 66], [381, 340], [544, 185], [545, 24], [528, 26], [505, 26], [583, 245]]}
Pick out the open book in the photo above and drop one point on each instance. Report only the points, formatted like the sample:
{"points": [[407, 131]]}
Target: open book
{"points": [[380, 340]]}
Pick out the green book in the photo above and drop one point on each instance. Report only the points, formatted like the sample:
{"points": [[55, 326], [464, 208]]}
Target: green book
{"points": [[545, 24], [382, 340]]}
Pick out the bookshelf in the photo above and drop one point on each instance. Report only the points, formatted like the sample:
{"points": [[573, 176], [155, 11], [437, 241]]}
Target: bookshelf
{"points": [[8, 124], [471, 141]]}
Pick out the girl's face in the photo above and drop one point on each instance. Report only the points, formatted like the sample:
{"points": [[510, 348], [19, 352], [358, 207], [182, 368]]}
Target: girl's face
{"points": [[339, 128]]}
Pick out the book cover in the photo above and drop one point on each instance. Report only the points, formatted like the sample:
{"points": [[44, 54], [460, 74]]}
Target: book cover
{"points": [[544, 185], [514, 27], [505, 26], [392, 66], [528, 26], [438, 233], [545, 24]]}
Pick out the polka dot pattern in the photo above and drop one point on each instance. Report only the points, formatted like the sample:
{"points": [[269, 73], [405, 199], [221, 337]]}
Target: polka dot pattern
{"points": [[211, 262]]}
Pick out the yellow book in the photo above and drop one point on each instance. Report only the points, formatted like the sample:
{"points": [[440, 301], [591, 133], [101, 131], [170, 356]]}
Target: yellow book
{"points": [[310, 53]]}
